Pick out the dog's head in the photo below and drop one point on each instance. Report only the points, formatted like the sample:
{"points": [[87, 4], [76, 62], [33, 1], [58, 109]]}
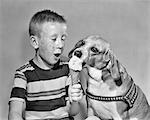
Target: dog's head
{"points": [[93, 50]]}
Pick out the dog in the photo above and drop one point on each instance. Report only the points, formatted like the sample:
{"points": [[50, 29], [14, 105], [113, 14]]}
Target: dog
{"points": [[111, 93]]}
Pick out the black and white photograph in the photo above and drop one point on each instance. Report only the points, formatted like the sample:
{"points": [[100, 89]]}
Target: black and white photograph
{"points": [[74, 59]]}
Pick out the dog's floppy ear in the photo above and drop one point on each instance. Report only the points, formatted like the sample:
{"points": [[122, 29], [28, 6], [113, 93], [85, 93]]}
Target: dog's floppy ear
{"points": [[106, 56], [115, 70], [78, 44], [70, 53]]}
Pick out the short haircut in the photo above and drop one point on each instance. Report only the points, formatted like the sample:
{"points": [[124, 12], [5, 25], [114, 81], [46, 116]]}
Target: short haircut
{"points": [[41, 17]]}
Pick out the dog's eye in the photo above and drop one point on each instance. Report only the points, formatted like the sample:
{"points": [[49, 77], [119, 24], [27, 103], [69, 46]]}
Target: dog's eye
{"points": [[94, 49]]}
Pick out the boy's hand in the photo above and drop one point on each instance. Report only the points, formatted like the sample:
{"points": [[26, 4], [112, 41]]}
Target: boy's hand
{"points": [[75, 92]]}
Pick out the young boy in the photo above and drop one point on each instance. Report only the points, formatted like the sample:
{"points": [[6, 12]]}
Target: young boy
{"points": [[42, 87]]}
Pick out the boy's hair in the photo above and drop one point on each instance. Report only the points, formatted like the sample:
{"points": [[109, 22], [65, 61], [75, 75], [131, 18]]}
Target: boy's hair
{"points": [[41, 17]]}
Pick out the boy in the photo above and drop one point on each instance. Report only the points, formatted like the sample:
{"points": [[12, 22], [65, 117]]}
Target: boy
{"points": [[42, 86]]}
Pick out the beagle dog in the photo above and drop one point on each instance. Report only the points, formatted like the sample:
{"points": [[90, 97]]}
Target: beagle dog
{"points": [[111, 93]]}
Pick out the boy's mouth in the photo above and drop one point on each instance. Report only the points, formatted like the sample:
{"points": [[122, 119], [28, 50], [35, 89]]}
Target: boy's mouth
{"points": [[57, 54]]}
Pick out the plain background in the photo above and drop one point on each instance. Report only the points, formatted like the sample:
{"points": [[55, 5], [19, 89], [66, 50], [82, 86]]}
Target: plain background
{"points": [[124, 23]]}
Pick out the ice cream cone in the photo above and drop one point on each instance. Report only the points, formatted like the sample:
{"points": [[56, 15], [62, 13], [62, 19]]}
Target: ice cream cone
{"points": [[74, 76], [75, 65]]}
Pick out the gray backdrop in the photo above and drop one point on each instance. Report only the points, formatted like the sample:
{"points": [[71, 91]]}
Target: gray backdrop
{"points": [[124, 23]]}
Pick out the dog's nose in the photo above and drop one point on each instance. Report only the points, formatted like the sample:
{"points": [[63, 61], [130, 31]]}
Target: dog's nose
{"points": [[78, 53]]}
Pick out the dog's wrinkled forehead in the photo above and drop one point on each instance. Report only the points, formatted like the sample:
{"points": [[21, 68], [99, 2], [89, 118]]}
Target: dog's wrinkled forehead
{"points": [[98, 42], [95, 43]]}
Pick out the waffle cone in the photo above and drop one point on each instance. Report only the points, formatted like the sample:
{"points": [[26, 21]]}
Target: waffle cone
{"points": [[74, 76]]}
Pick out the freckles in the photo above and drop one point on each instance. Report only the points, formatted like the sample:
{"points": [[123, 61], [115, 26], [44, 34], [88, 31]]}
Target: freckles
{"points": [[47, 47], [50, 44]]}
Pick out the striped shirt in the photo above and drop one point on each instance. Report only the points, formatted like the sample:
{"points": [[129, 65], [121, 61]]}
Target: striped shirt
{"points": [[45, 92]]}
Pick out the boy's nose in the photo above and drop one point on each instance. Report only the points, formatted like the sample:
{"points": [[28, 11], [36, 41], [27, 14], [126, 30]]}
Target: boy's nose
{"points": [[59, 44]]}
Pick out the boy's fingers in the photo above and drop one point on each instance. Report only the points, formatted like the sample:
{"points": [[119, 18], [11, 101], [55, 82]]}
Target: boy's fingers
{"points": [[75, 90], [75, 99], [77, 86], [75, 95]]}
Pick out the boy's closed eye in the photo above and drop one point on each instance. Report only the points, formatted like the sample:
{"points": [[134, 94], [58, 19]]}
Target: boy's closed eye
{"points": [[64, 37], [54, 37]]}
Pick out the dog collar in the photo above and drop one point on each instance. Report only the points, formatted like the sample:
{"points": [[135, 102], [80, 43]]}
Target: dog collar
{"points": [[129, 97]]}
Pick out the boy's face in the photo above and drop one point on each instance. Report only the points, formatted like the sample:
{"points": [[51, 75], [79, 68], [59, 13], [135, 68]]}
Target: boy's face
{"points": [[51, 41]]}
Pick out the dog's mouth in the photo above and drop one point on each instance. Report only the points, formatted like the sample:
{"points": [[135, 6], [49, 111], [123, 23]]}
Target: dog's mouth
{"points": [[83, 64], [105, 66], [100, 66]]}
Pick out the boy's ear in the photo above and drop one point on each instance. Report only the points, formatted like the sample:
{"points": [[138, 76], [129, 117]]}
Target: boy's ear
{"points": [[34, 41]]}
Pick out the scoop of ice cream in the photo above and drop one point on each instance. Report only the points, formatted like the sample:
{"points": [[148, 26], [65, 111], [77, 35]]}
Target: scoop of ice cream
{"points": [[75, 63]]}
